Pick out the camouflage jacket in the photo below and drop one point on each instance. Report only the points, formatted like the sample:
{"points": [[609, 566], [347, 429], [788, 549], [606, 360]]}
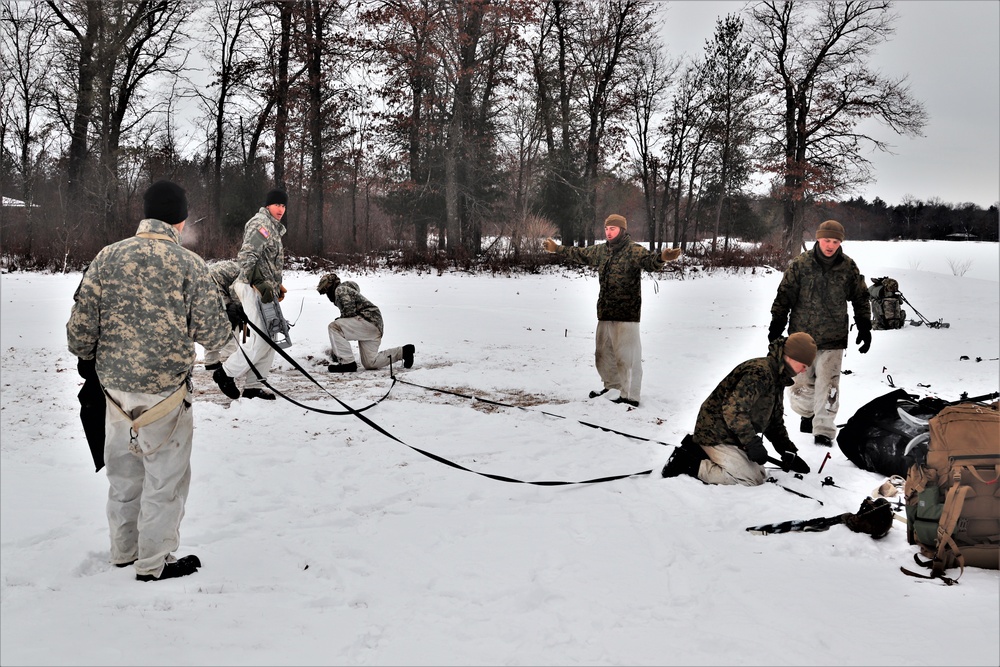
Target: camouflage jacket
{"points": [[349, 300], [747, 402], [224, 273], [618, 263], [141, 306], [262, 255], [817, 294]]}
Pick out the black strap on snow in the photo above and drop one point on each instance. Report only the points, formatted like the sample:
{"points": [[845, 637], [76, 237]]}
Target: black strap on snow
{"points": [[435, 457]]}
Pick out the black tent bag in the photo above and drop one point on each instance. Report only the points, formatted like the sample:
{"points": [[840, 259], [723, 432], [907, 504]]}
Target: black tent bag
{"points": [[875, 438], [93, 406]]}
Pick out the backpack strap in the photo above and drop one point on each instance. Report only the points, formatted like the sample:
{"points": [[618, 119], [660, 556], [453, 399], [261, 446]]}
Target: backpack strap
{"points": [[953, 503], [153, 414]]}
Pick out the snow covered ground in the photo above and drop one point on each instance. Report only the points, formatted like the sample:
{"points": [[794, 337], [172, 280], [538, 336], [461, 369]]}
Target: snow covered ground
{"points": [[324, 541]]}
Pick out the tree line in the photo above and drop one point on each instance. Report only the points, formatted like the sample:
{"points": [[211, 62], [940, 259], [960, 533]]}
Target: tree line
{"points": [[448, 129]]}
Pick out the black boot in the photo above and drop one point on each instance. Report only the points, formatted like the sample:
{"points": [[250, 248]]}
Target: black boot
{"points": [[806, 425], [182, 567], [226, 383], [257, 392], [685, 460], [343, 368]]}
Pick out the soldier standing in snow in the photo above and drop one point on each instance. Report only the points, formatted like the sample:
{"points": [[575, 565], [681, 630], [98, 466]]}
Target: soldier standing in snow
{"points": [[815, 289], [224, 273], [141, 306], [359, 320], [726, 447], [261, 259], [618, 354]]}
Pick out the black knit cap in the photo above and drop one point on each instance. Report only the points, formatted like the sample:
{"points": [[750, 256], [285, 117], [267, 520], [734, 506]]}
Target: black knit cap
{"points": [[276, 196], [165, 201]]}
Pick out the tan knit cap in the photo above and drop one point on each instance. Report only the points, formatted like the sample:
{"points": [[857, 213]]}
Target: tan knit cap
{"points": [[801, 347], [831, 229], [615, 220]]}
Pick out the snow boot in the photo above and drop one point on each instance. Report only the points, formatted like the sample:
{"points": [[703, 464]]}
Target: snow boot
{"points": [[806, 425], [343, 368], [685, 460], [257, 392], [595, 394], [823, 441], [182, 567], [626, 401], [408, 351], [226, 383]]}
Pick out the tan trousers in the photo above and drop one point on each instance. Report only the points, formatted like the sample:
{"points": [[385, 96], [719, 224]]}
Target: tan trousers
{"points": [[148, 479], [345, 329], [728, 464], [618, 357], [816, 392]]}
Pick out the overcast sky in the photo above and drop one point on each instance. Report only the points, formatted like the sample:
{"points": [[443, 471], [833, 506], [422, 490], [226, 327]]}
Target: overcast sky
{"points": [[950, 52]]}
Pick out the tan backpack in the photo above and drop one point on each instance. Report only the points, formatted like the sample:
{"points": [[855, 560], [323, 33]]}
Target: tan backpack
{"points": [[953, 493]]}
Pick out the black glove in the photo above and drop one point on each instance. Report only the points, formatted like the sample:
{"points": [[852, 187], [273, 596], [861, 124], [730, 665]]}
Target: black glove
{"points": [[864, 336], [790, 461], [756, 451], [234, 312], [775, 330], [87, 368]]}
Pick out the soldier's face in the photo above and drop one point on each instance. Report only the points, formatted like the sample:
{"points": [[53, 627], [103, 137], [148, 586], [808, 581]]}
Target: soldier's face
{"points": [[612, 232], [276, 211], [828, 246], [796, 366]]}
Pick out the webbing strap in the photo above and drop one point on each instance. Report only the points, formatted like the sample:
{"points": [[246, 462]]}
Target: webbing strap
{"points": [[154, 235], [147, 417], [953, 502], [435, 457]]}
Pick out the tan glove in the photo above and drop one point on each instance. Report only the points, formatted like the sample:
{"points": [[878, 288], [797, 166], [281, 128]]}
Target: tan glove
{"points": [[670, 254], [281, 296], [549, 245]]}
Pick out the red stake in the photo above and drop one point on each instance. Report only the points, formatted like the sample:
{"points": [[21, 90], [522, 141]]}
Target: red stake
{"points": [[825, 459]]}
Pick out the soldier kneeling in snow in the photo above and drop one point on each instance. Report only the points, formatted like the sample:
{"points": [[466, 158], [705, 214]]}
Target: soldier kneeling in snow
{"points": [[726, 447], [359, 320]]}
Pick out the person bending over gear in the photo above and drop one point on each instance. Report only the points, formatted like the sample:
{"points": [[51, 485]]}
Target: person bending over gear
{"points": [[815, 290], [726, 447], [261, 259], [141, 306], [224, 273], [619, 262], [359, 320]]}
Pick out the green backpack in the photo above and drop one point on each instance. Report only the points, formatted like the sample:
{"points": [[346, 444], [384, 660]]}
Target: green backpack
{"points": [[887, 304]]}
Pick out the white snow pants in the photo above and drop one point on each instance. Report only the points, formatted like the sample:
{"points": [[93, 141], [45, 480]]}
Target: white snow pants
{"points": [[816, 392], [148, 479], [728, 464], [345, 329], [618, 357], [257, 348]]}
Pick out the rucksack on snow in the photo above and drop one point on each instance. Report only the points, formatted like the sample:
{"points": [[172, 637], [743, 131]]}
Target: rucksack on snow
{"points": [[953, 491], [887, 304]]}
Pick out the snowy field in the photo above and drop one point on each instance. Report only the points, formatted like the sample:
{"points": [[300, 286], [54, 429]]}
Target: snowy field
{"points": [[325, 541]]}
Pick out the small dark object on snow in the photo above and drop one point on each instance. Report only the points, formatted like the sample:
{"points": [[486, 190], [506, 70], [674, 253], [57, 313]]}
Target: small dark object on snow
{"points": [[874, 517]]}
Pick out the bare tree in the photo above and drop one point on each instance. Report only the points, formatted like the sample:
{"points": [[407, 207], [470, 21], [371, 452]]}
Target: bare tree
{"points": [[816, 55]]}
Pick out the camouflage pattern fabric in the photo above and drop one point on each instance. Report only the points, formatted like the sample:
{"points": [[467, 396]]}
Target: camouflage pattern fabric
{"points": [[618, 264], [351, 303], [748, 401], [262, 255], [140, 307], [816, 294], [224, 273]]}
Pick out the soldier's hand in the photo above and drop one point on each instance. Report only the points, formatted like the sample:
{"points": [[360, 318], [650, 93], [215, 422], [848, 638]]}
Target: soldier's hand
{"points": [[774, 331], [266, 293], [87, 368], [756, 451], [670, 254], [281, 297], [549, 245], [864, 339]]}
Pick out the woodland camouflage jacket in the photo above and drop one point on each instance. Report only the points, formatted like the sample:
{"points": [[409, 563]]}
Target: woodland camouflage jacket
{"points": [[352, 303], [747, 402], [140, 307], [262, 255], [816, 295], [619, 264]]}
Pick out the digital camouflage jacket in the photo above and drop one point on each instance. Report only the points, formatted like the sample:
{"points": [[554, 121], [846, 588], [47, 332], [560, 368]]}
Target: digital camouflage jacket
{"points": [[352, 303], [748, 401], [619, 264], [262, 255], [141, 306], [224, 273], [817, 295]]}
